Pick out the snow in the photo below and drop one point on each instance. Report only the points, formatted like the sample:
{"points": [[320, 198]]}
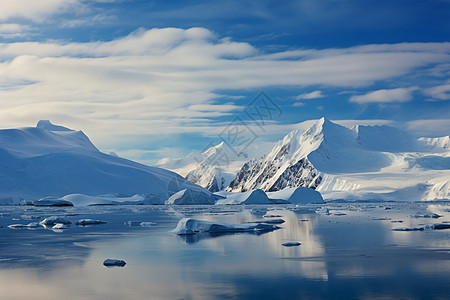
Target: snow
{"points": [[114, 263], [215, 167], [189, 226], [49, 160], [192, 197], [439, 142]]}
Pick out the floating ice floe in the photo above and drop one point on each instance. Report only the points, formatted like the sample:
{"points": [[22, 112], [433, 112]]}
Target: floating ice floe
{"points": [[409, 229], [50, 221], [139, 223], [291, 244], [187, 226], [86, 222], [114, 263]]}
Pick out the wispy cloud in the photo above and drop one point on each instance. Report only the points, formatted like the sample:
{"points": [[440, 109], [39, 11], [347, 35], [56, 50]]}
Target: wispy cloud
{"points": [[32, 9], [385, 96], [311, 95], [172, 80], [438, 93], [13, 30]]}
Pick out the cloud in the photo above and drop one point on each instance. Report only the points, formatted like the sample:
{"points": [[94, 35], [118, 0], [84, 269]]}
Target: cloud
{"points": [[385, 96], [32, 9], [12, 30], [429, 128], [311, 95], [438, 93], [172, 80]]}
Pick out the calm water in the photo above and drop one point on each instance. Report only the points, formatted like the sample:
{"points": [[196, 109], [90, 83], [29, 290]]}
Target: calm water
{"points": [[353, 253]]}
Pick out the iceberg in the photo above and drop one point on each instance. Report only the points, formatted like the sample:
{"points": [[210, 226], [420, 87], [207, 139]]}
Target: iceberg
{"points": [[192, 197], [291, 244], [257, 196], [53, 220], [299, 195], [60, 226], [114, 263], [189, 226]]}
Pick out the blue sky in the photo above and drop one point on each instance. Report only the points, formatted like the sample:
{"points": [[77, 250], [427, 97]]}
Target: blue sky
{"points": [[150, 79]]}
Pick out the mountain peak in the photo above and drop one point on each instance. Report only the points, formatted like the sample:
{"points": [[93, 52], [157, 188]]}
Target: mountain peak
{"points": [[47, 125]]}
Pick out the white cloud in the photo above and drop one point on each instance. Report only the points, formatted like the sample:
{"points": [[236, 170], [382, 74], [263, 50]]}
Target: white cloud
{"points": [[429, 128], [12, 30], [35, 10], [385, 96], [165, 81], [311, 95], [439, 93]]}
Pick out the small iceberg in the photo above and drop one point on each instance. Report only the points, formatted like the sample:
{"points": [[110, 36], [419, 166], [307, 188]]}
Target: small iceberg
{"points": [[409, 229], [53, 220], [193, 197], [114, 263], [427, 215], [87, 222], [189, 226], [60, 226], [291, 244]]}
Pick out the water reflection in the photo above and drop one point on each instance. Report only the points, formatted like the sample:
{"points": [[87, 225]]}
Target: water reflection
{"points": [[341, 256]]}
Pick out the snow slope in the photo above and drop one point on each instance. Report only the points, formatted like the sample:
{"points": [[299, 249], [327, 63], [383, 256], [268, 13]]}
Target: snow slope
{"points": [[50, 160], [214, 168]]}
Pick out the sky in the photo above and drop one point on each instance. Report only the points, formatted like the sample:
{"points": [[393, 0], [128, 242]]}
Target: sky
{"points": [[155, 79]]}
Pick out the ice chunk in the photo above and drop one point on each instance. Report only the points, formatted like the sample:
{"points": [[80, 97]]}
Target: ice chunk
{"points": [[60, 226], [50, 201], [409, 229], [291, 244], [441, 226], [273, 221], [192, 197], [147, 224], [85, 222], [188, 226], [50, 221], [114, 263], [427, 215]]}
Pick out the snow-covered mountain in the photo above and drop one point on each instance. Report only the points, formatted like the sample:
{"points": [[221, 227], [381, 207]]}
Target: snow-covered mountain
{"points": [[50, 160], [298, 157], [442, 142], [214, 168], [368, 159]]}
